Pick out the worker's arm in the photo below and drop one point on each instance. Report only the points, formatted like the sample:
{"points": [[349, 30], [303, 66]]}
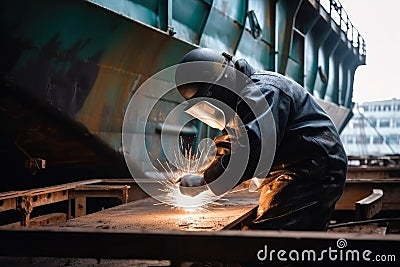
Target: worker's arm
{"points": [[264, 110], [259, 137], [227, 147], [192, 184]]}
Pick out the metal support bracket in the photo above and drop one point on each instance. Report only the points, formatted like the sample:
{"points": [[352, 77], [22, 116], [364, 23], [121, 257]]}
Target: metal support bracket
{"points": [[368, 207], [24, 201]]}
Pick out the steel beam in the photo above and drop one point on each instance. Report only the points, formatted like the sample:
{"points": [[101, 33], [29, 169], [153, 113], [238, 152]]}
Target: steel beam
{"points": [[373, 172], [357, 189], [225, 246], [26, 200], [52, 218], [368, 207], [119, 191]]}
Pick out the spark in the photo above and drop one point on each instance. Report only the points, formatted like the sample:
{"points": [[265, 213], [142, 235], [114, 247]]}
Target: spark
{"points": [[189, 163]]}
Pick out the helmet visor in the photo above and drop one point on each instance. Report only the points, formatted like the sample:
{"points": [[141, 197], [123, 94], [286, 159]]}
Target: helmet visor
{"points": [[208, 113]]}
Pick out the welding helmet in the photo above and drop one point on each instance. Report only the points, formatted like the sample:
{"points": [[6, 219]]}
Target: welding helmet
{"points": [[209, 76]]}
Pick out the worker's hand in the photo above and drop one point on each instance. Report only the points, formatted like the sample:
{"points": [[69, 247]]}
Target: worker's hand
{"points": [[192, 185]]}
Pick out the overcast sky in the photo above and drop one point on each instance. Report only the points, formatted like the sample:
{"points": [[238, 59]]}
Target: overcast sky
{"points": [[378, 23]]}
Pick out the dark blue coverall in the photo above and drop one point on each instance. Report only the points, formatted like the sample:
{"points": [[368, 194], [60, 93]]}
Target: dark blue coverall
{"points": [[309, 168]]}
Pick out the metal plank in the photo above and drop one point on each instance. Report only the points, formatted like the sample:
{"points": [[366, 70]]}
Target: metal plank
{"points": [[152, 215]]}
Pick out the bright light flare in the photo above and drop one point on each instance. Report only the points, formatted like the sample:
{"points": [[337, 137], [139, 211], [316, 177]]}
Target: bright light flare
{"points": [[189, 163], [175, 198]]}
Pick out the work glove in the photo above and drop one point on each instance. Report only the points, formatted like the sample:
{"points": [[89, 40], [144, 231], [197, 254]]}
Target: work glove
{"points": [[192, 184], [224, 150]]}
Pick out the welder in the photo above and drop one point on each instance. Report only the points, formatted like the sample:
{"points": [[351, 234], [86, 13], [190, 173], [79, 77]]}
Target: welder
{"points": [[304, 177]]}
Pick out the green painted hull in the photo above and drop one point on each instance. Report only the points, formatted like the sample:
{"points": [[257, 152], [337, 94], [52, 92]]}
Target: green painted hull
{"points": [[86, 58]]}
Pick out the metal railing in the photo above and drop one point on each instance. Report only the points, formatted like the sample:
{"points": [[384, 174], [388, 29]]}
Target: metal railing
{"points": [[337, 13]]}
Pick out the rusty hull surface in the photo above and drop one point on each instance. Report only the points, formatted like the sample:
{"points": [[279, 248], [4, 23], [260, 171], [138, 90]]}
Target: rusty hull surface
{"points": [[149, 214]]}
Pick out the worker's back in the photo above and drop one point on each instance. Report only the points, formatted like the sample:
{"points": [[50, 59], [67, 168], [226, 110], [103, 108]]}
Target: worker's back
{"points": [[302, 126], [309, 167]]}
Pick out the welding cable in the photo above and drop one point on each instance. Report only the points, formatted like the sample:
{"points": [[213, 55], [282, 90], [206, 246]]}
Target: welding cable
{"points": [[31, 159], [346, 224]]}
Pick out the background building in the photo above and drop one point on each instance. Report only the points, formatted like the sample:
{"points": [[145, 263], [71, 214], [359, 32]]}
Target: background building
{"points": [[374, 129]]}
